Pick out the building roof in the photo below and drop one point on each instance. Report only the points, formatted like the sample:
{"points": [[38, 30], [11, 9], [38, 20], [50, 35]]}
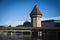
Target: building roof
{"points": [[35, 11], [48, 20], [56, 21]]}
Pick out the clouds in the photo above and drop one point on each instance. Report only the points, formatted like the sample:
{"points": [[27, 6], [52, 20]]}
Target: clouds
{"points": [[13, 23], [54, 18]]}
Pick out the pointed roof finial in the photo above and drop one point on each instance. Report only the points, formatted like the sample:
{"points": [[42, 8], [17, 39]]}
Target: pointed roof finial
{"points": [[35, 11], [36, 5]]}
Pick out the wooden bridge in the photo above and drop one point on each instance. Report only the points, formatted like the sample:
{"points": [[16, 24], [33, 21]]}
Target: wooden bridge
{"points": [[31, 29]]}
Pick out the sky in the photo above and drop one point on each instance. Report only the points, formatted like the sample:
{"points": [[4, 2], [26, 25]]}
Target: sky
{"points": [[15, 12]]}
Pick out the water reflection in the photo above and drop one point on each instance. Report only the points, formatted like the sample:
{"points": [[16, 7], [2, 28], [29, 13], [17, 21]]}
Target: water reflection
{"points": [[27, 36], [16, 36]]}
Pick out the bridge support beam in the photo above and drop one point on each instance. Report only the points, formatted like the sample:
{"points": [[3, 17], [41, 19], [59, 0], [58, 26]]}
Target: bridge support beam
{"points": [[40, 34], [35, 33]]}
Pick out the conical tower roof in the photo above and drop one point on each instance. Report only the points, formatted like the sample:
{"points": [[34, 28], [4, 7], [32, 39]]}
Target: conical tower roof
{"points": [[35, 11]]}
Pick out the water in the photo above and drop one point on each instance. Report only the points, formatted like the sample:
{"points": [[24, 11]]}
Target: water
{"points": [[16, 36], [25, 36]]}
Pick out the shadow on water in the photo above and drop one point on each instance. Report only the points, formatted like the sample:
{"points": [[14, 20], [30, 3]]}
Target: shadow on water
{"points": [[17, 38], [25, 37]]}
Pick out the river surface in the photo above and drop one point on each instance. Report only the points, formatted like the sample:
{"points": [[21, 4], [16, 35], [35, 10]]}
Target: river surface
{"points": [[18, 36]]}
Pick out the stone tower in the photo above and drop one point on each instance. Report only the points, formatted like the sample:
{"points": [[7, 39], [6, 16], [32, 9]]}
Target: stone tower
{"points": [[36, 17]]}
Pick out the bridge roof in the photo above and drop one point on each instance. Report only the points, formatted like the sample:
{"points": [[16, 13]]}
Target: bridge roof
{"points": [[29, 28]]}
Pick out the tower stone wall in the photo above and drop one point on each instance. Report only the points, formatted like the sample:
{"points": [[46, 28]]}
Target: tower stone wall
{"points": [[36, 21]]}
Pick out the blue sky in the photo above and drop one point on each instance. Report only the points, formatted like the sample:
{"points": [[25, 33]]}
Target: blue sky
{"points": [[15, 12]]}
